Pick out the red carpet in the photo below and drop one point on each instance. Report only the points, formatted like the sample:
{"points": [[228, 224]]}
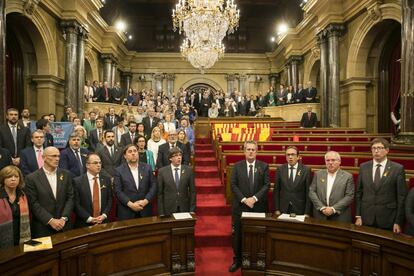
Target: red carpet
{"points": [[213, 251]]}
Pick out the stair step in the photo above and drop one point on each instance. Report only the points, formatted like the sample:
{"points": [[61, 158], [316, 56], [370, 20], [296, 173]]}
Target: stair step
{"points": [[210, 189], [205, 159], [206, 169], [204, 153], [211, 200], [213, 231], [208, 182]]}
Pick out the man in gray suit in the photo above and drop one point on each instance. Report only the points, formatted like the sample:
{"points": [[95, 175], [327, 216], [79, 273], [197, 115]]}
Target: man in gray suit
{"points": [[292, 185], [176, 189], [50, 193], [332, 191], [381, 190]]}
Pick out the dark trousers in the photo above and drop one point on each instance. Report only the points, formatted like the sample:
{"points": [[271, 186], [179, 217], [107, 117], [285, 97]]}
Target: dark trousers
{"points": [[236, 238]]}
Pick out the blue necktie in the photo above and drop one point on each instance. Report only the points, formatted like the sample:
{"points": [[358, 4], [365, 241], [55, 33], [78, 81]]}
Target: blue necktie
{"points": [[177, 178]]}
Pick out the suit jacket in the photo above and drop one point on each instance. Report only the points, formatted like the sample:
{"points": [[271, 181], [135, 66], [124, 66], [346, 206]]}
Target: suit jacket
{"points": [[44, 206], [126, 139], [108, 123], [7, 142], [169, 197], [147, 127], [341, 197], [409, 212], [68, 161], [83, 199], [94, 139], [306, 122], [310, 93], [298, 193], [5, 158], [48, 141], [110, 163], [101, 95], [28, 161], [126, 189], [240, 187], [163, 150], [383, 204]]}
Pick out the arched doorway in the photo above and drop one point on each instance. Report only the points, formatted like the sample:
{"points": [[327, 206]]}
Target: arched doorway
{"points": [[314, 76], [389, 79], [200, 88]]}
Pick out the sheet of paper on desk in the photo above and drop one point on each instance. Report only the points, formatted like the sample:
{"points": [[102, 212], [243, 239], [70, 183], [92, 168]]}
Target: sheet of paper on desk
{"points": [[253, 215], [288, 217], [182, 215], [46, 243]]}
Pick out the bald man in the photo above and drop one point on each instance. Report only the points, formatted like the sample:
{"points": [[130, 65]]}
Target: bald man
{"points": [[50, 194]]}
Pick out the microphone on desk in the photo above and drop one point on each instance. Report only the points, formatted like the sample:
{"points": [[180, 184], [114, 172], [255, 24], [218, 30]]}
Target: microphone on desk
{"points": [[290, 210]]}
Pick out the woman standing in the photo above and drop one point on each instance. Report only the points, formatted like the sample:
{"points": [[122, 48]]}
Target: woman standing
{"points": [[155, 141], [14, 208], [145, 156]]}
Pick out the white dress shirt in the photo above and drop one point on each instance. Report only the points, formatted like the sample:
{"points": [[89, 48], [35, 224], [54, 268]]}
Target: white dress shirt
{"points": [[91, 182], [134, 171], [173, 171], [295, 169], [330, 181], [52, 179], [248, 169]]}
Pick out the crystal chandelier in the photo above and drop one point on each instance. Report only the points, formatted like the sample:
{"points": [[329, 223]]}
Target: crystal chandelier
{"points": [[204, 23]]}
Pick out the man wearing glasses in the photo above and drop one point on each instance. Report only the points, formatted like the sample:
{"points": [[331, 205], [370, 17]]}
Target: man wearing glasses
{"points": [[93, 196], [292, 186], [381, 190], [50, 194]]}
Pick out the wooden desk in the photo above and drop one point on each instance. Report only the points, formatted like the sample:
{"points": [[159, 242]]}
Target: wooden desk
{"points": [[272, 247], [146, 246]]}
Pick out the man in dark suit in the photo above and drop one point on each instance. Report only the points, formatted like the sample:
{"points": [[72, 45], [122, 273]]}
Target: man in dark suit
{"points": [[50, 193], [111, 119], [249, 185], [13, 137], [129, 137], [25, 118], [134, 185], [105, 93], [150, 122], [381, 190], [31, 158], [73, 158], [176, 189], [117, 93], [95, 135], [281, 95], [44, 125], [93, 196], [164, 149], [309, 119], [66, 115], [292, 186], [298, 96], [332, 191], [111, 155], [310, 93]]}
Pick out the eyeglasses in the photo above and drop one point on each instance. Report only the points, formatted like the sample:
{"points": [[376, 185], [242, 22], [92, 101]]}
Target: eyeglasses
{"points": [[377, 148]]}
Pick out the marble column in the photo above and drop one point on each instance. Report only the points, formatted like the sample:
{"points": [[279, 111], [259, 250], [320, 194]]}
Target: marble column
{"points": [[406, 135], [113, 74], [170, 84], [71, 30], [274, 79], [289, 74], [294, 63], [242, 84], [230, 83], [83, 35], [107, 68], [159, 77], [324, 70], [3, 58], [126, 84], [334, 32]]}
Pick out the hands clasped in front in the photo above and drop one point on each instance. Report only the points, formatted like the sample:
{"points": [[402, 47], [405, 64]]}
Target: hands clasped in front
{"points": [[138, 205]]}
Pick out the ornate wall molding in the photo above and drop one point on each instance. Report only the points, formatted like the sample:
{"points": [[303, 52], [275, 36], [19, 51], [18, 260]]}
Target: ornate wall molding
{"points": [[29, 6]]}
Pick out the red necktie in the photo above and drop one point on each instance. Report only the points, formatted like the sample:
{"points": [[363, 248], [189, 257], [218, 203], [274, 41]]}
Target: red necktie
{"points": [[95, 198], [39, 159]]}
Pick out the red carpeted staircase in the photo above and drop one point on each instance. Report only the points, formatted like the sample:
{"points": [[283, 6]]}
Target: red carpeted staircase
{"points": [[213, 229]]}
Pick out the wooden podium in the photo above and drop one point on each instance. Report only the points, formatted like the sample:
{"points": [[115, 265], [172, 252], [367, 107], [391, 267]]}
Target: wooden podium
{"points": [[275, 247], [145, 246], [292, 112]]}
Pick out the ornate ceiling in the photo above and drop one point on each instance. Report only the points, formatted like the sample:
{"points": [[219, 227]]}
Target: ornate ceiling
{"points": [[149, 22]]}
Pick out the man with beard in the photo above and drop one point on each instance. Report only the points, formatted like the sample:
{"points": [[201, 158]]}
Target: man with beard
{"points": [[111, 155]]}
